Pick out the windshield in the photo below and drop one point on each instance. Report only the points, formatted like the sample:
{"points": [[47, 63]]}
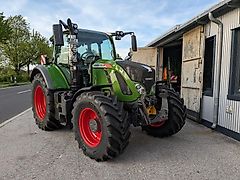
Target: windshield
{"points": [[96, 43]]}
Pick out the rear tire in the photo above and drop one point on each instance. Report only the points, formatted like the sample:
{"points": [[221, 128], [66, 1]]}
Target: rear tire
{"points": [[176, 117], [43, 105], [111, 133]]}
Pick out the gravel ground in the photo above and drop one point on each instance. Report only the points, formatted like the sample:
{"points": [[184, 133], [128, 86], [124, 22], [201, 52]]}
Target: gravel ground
{"points": [[194, 153]]}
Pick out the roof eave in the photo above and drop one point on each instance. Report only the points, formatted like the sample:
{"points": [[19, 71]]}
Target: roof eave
{"points": [[176, 32]]}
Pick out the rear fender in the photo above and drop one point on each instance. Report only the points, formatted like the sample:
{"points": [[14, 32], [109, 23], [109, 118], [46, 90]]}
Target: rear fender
{"points": [[52, 75]]}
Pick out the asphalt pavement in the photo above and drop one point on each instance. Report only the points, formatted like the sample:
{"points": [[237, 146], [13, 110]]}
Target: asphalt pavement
{"points": [[196, 152], [14, 100]]}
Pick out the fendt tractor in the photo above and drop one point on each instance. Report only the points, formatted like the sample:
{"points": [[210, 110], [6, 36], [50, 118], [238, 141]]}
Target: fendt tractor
{"points": [[85, 86]]}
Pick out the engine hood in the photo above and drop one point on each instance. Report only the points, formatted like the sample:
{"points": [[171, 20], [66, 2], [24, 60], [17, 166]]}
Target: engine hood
{"points": [[139, 72]]}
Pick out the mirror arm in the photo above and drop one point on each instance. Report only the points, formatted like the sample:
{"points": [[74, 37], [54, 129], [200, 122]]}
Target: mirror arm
{"points": [[126, 33], [70, 26], [64, 24]]}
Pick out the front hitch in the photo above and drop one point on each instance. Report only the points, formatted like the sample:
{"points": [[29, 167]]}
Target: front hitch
{"points": [[161, 116], [163, 113]]}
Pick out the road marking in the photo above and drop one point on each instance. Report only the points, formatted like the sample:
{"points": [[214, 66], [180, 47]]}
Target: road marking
{"points": [[11, 119], [21, 92]]}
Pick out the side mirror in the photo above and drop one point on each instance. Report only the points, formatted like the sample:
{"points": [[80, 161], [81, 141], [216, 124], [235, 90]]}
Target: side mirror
{"points": [[134, 42], [58, 35]]}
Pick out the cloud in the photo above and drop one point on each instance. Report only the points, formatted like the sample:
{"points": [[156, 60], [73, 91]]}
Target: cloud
{"points": [[111, 15], [12, 7], [43, 24], [148, 19]]}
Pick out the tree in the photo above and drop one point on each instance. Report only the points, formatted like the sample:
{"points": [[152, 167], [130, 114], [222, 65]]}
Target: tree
{"points": [[23, 48], [5, 30], [13, 47], [34, 48], [41, 46]]}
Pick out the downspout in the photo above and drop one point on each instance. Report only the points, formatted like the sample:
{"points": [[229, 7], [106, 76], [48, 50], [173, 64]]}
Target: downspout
{"points": [[219, 69], [157, 65]]}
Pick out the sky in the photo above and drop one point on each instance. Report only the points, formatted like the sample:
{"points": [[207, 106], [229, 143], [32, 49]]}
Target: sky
{"points": [[147, 18]]}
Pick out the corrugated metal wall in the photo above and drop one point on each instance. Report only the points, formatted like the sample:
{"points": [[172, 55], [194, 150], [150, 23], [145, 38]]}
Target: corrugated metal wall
{"points": [[230, 121]]}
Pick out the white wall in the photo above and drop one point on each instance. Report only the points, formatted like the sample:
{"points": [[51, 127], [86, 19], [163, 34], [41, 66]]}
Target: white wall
{"points": [[146, 55], [210, 29], [230, 121]]}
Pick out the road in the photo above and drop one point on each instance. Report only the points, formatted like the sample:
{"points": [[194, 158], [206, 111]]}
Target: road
{"points": [[14, 100], [196, 152]]}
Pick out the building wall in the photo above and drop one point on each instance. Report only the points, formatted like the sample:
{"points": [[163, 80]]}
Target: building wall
{"points": [[228, 120], [146, 55]]}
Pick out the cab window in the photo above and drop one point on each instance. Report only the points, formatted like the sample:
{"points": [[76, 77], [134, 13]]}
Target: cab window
{"points": [[107, 51], [95, 49], [62, 54]]}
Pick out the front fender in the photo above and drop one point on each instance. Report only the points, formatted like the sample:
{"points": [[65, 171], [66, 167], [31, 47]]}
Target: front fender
{"points": [[106, 75]]}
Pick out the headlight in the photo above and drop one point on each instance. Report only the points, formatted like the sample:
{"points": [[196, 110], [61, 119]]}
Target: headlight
{"points": [[140, 89]]}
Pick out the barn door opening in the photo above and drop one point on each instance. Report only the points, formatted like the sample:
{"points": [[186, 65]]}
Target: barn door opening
{"points": [[192, 71], [172, 59]]}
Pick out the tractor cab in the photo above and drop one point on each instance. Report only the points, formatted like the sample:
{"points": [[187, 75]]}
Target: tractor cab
{"points": [[82, 51], [90, 46]]}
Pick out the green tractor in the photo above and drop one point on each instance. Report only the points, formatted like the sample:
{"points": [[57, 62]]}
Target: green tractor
{"points": [[88, 88]]}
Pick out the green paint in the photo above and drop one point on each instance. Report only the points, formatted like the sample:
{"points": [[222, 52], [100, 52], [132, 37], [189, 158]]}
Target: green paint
{"points": [[57, 76], [99, 77], [66, 71]]}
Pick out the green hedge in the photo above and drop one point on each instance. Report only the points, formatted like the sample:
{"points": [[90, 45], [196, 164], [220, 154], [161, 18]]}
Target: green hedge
{"points": [[5, 78], [9, 78]]}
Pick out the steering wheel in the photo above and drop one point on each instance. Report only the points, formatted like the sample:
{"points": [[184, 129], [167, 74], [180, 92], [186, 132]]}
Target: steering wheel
{"points": [[88, 57]]}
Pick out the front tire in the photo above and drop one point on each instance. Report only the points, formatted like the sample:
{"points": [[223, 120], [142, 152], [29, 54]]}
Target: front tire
{"points": [[176, 117], [101, 125]]}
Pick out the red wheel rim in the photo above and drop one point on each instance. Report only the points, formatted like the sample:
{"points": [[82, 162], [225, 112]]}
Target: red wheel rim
{"points": [[40, 102], [158, 124], [91, 135]]}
